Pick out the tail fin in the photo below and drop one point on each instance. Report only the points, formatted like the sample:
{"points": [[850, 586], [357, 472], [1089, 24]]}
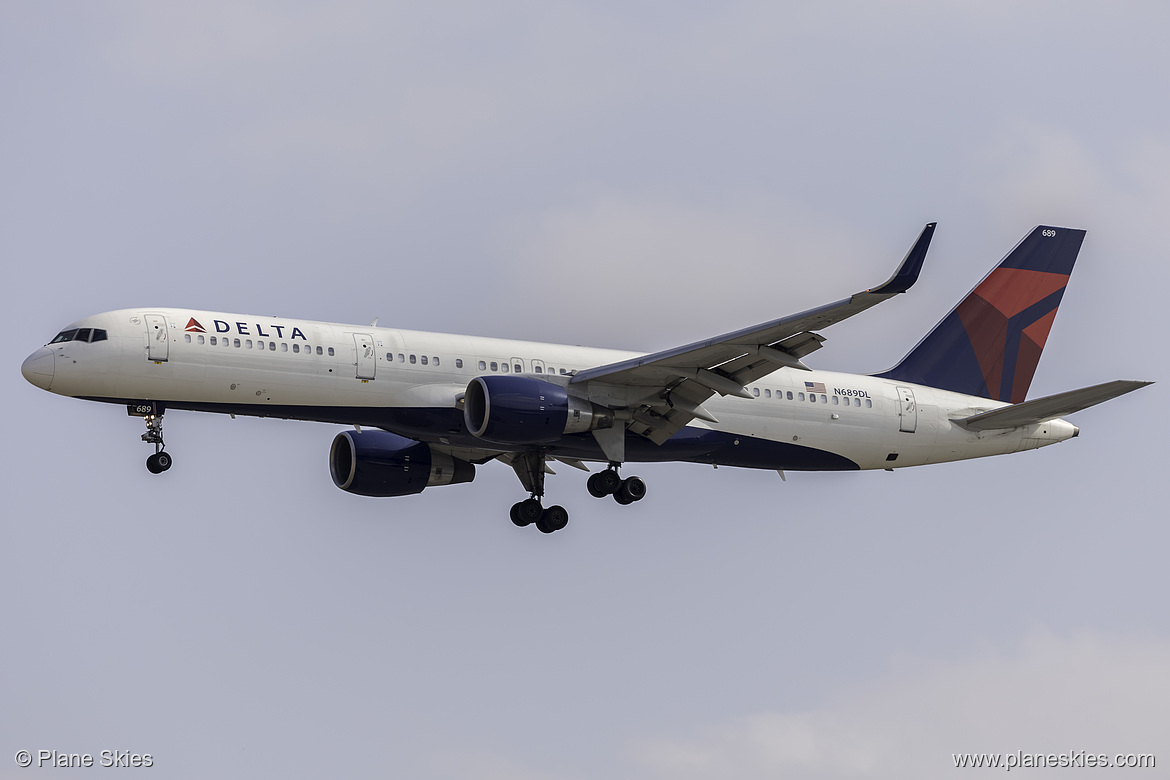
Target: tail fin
{"points": [[990, 344]]}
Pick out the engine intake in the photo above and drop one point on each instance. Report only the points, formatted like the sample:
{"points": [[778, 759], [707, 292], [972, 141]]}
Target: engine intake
{"points": [[381, 464], [523, 410]]}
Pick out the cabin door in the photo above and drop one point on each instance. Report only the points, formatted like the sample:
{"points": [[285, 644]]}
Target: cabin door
{"points": [[907, 410], [158, 338], [367, 359]]}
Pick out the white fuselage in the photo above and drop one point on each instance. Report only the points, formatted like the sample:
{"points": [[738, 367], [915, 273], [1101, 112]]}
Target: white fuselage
{"points": [[298, 369]]}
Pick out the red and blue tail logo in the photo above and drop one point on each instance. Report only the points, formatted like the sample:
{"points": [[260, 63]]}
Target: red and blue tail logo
{"points": [[990, 344]]}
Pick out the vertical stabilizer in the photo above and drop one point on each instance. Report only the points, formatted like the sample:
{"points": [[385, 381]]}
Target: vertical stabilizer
{"points": [[990, 344]]}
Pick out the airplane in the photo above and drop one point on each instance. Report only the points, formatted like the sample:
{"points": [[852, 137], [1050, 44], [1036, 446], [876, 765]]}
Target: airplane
{"points": [[427, 408]]}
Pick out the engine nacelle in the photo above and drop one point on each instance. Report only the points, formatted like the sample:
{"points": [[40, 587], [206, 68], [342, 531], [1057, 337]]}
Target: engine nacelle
{"points": [[524, 410], [379, 463]]}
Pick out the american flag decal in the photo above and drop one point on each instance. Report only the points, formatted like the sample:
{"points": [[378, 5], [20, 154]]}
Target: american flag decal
{"points": [[815, 387]]}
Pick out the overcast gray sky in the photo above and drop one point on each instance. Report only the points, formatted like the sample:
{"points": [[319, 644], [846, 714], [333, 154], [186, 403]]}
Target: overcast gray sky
{"points": [[613, 174]]}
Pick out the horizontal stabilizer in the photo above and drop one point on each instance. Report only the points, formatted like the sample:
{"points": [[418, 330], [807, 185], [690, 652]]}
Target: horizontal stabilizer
{"points": [[1050, 407]]}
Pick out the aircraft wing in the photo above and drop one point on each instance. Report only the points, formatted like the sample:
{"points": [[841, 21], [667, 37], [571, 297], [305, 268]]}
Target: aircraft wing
{"points": [[666, 390]]}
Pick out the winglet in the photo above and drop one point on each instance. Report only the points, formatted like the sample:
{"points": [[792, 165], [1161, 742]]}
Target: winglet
{"points": [[907, 273]]}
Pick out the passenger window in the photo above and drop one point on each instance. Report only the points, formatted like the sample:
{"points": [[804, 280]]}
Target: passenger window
{"points": [[283, 347], [236, 342], [800, 396], [331, 352], [504, 367], [789, 395], [824, 398], [412, 360], [199, 338], [458, 362], [213, 342], [99, 335], [495, 366], [756, 392], [435, 360], [857, 402], [835, 402], [868, 404], [187, 337], [248, 343], [767, 393], [538, 369], [272, 346], [482, 366], [319, 350], [812, 397], [296, 347], [423, 360], [401, 358]]}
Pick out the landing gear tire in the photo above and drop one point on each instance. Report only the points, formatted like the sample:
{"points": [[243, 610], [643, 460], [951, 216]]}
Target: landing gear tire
{"points": [[594, 486], [632, 489], [529, 511], [604, 483], [554, 519], [514, 513], [159, 462]]}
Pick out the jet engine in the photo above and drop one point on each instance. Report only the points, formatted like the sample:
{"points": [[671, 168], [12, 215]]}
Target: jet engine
{"points": [[524, 410], [379, 463]]}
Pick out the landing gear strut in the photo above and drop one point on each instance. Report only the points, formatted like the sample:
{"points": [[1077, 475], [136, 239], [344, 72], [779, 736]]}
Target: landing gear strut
{"points": [[609, 483], [530, 468], [161, 460]]}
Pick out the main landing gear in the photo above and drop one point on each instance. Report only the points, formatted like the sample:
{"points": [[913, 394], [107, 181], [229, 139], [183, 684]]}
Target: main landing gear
{"points": [[609, 483], [531, 511], [530, 468], [161, 460]]}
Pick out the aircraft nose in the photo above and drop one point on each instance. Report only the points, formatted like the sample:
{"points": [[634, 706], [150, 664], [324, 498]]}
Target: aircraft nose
{"points": [[38, 368]]}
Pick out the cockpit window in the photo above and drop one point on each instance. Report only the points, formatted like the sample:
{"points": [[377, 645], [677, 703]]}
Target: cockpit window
{"points": [[65, 335], [80, 334]]}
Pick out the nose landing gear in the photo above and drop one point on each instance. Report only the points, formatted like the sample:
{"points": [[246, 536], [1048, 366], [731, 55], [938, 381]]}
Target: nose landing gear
{"points": [[161, 460]]}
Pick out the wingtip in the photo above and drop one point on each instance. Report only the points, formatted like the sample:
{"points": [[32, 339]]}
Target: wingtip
{"points": [[907, 273]]}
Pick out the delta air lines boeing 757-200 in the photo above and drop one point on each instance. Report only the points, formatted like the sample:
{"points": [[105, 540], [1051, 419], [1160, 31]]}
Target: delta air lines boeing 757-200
{"points": [[427, 408]]}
